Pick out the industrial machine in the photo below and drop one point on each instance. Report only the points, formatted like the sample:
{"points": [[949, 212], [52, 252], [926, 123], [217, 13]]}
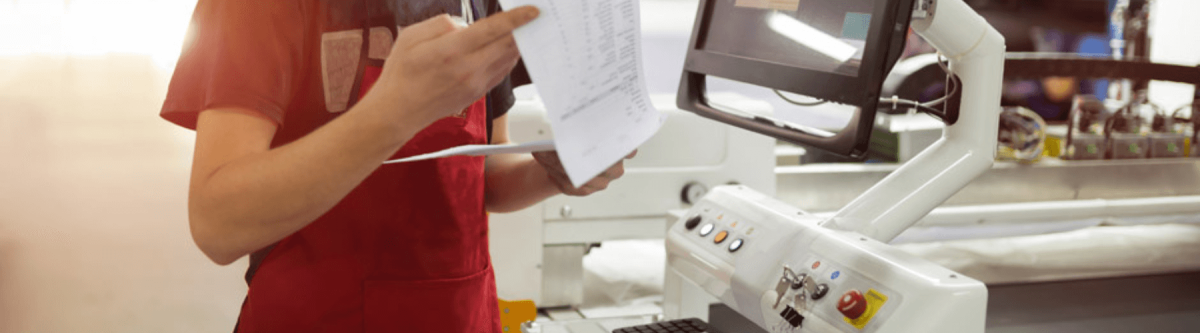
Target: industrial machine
{"points": [[832, 250], [538, 252], [781, 269], [785, 270]]}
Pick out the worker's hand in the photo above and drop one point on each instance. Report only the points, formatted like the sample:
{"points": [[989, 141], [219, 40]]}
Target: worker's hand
{"points": [[436, 68], [554, 170]]}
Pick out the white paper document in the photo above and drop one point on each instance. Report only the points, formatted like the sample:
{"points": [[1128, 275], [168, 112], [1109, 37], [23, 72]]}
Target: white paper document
{"points": [[585, 58], [481, 150]]}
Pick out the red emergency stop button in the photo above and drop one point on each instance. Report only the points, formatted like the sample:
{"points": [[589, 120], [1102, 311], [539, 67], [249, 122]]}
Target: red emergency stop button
{"points": [[852, 304]]}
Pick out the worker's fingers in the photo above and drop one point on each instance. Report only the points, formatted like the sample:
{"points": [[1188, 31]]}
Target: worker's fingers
{"points": [[599, 183], [614, 172], [631, 155], [505, 69], [426, 30], [496, 60], [594, 186], [500, 72], [502, 50], [488, 30], [549, 162], [563, 183], [554, 172], [547, 157]]}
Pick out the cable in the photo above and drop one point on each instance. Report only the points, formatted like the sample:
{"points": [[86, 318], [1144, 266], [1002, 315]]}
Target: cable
{"points": [[952, 84], [952, 87], [896, 102], [795, 102]]}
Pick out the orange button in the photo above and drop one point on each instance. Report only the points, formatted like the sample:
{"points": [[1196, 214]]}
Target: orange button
{"points": [[720, 237]]}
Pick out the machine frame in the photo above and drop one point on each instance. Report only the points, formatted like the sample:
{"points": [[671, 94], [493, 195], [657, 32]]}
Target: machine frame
{"points": [[967, 148]]}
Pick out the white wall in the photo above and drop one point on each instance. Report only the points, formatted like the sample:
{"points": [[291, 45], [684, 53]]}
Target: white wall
{"points": [[93, 228], [93, 220]]}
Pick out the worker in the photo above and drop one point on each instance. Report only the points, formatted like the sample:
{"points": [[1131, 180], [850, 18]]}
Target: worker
{"points": [[296, 103]]}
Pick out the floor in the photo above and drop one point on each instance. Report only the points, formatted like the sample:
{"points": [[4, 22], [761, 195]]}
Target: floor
{"points": [[93, 224]]}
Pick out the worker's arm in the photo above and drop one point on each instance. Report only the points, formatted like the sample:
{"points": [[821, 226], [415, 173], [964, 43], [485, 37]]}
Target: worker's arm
{"points": [[514, 182], [245, 196]]}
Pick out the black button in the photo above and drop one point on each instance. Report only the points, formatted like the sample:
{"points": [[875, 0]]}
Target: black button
{"points": [[822, 289], [692, 222]]}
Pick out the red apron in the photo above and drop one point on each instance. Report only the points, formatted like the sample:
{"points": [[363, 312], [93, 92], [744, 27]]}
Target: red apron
{"points": [[406, 251]]}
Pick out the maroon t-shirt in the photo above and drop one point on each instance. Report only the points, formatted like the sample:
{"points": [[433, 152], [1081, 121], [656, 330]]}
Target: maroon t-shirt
{"points": [[300, 63], [408, 246]]}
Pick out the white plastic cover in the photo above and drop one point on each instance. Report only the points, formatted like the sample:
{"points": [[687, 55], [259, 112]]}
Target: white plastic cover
{"points": [[1093, 252]]}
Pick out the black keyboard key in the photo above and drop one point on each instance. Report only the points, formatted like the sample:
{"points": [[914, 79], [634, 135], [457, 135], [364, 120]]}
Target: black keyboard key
{"points": [[690, 325]]}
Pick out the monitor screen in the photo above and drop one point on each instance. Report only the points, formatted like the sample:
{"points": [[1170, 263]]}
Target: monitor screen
{"points": [[821, 35], [836, 51]]}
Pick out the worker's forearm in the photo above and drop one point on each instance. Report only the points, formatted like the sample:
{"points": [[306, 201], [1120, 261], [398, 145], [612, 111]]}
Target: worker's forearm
{"points": [[259, 199], [515, 182]]}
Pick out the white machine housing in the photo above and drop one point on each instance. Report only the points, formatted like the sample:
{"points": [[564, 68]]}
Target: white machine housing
{"points": [[921, 296], [537, 252], [911, 294]]}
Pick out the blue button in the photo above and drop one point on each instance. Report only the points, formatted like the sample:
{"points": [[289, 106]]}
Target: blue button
{"points": [[835, 275]]}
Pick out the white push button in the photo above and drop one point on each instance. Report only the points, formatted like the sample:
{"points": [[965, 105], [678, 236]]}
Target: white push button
{"points": [[706, 229], [736, 245]]}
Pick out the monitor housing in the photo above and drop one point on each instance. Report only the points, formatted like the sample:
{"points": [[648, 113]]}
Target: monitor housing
{"points": [[794, 58]]}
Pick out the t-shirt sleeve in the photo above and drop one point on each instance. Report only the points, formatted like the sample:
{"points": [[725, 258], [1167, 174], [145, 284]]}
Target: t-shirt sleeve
{"points": [[501, 98], [238, 54]]}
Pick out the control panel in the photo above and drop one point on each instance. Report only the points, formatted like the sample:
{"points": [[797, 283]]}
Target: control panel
{"points": [[778, 267], [725, 230], [830, 295]]}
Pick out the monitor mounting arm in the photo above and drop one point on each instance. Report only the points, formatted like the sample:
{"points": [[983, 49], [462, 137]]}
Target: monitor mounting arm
{"points": [[966, 149]]}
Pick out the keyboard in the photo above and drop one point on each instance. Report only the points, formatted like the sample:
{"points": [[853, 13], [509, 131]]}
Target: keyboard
{"points": [[690, 325]]}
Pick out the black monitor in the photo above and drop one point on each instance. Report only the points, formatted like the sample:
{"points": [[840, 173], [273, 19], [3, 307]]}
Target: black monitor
{"points": [[835, 50]]}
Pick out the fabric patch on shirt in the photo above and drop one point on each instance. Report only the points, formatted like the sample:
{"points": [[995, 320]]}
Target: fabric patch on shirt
{"points": [[340, 53], [381, 43]]}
